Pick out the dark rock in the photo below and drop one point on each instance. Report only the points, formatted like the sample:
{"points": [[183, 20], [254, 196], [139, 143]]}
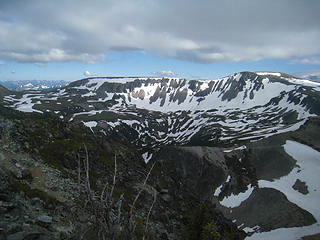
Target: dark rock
{"points": [[192, 170], [25, 236], [269, 158], [14, 228], [35, 200], [4, 197], [44, 220], [3, 235], [4, 181], [301, 187], [32, 236], [166, 197], [5, 207], [26, 175], [311, 237], [180, 96], [69, 160], [16, 236], [3, 210], [270, 209]]}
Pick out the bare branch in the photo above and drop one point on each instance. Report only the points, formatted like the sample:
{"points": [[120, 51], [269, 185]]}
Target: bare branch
{"points": [[109, 219], [145, 181], [87, 169], [139, 193], [114, 175], [104, 190], [79, 172], [149, 212]]}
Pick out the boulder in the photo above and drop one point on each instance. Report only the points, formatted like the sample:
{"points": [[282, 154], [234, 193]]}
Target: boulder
{"points": [[44, 220]]}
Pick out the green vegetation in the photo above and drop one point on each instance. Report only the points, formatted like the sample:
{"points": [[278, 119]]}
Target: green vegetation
{"points": [[200, 225], [139, 231], [18, 186], [209, 232]]}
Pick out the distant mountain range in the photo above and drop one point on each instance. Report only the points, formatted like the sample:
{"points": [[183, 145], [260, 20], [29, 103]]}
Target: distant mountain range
{"points": [[310, 75], [24, 85]]}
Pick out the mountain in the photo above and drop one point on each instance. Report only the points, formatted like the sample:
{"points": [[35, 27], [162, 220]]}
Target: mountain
{"points": [[311, 75], [242, 150], [161, 111], [24, 85]]}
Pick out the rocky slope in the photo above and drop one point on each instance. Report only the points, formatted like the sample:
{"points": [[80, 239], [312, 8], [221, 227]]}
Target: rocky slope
{"points": [[40, 197], [228, 148]]}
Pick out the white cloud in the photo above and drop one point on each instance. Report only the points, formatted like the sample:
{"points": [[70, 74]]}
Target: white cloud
{"points": [[39, 64], [165, 73], [2, 63], [87, 73], [213, 31]]}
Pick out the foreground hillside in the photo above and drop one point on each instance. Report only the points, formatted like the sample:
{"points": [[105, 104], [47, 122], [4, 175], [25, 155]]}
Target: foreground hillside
{"points": [[214, 159]]}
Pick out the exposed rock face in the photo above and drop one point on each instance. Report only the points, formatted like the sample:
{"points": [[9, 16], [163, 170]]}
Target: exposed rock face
{"points": [[311, 237], [269, 158], [270, 209], [197, 171], [187, 176]]}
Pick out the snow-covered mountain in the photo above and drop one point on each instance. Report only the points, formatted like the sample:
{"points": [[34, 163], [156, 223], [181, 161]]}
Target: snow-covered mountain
{"points": [[310, 75], [161, 111], [25, 85]]}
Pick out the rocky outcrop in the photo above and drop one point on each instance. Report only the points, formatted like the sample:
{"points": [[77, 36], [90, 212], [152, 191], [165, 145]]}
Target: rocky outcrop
{"points": [[270, 209], [301, 187]]}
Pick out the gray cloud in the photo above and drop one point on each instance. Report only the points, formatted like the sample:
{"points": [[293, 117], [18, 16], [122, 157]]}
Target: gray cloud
{"points": [[200, 31]]}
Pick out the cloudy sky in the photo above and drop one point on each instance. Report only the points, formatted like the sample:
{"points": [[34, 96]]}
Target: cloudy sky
{"points": [[71, 39]]}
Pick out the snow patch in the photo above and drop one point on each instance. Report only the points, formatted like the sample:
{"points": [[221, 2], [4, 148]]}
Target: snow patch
{"points": [[90, 124], [238, 148], [228, 179], [146, 157], [251, 230], [218, 191], [235, 200], [269, 73]]}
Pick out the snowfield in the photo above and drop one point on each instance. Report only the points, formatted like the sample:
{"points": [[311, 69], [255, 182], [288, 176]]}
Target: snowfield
{"points": [[307, 170]]}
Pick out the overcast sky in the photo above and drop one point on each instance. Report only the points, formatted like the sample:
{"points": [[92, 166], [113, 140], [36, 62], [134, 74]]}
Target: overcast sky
{"points": [[145, 37]]}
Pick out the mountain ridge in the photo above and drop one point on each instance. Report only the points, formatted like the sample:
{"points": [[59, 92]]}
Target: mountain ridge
{"points": [[160, 111]]}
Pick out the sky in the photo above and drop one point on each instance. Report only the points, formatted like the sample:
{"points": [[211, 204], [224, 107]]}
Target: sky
{"points": [[207, 39]]}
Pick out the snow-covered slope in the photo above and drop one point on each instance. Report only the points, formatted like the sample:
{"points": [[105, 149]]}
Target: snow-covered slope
{"points": [[161, 111]]}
